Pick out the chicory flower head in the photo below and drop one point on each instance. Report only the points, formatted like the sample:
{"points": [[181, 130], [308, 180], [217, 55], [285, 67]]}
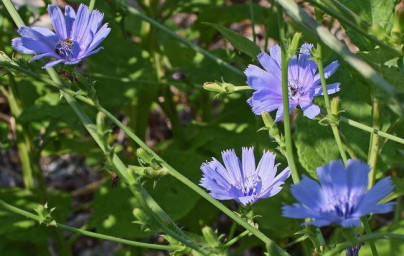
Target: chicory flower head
{"points": [[242, 181], [303, 82], [76, 36], [342, 198]]}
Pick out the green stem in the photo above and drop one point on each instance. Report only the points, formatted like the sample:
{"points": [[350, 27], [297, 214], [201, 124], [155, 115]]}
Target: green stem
{"points": [[362, 239], [334, 127], [252, 20], [233, 229], [91, 5], [285, 98], [196, 48], [23, 143], [374, 145], [234, 240], [372, 130], [168, 106], [13, 13], [88, 233], [369, 231]]}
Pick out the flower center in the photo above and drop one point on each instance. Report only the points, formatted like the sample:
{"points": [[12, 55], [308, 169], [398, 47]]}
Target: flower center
{"points": [[64, 49], [294, 89], [343, 207], [249, 185]]}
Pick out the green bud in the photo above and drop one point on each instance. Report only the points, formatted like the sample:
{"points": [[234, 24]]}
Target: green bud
{"points": [[335, 104], [44, 214], [294, 45], [398, 27], [210, 237], [145, 158], [141, 216], [220, 87], [397, 33]]}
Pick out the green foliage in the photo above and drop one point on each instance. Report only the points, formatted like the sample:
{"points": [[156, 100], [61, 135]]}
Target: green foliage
{"points": [[238, 41], [142, 72]]}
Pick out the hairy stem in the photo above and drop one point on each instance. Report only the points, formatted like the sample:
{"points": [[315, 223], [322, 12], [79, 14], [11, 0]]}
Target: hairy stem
{"points": [[374, 143], [285, 99], [334, 127]]}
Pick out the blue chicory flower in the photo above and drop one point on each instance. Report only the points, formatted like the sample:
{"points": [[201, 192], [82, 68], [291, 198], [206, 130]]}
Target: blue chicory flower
{"points": [[303, 82], [242, 181], [342, 198], [76, 36]]}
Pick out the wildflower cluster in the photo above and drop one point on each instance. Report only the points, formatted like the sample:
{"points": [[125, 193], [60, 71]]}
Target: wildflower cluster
{"points": [[341, 197]]}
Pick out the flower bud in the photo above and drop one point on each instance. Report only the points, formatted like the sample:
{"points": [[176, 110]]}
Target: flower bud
{"points": [[294, 45], [220, 87], [210, 237], [398, 27], [141, 216]]}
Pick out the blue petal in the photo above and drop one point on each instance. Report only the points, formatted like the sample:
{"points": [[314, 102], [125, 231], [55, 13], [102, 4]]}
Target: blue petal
{"points": [[80, 23], [99, 37], [232, 164], [35, 34], [248, 162], [276, 185], [52, 63], [374, 195], [215, 171], [350, 223], [266, 169], [328, 71], [87, 54], [264, 101], [37, 57], [246, 200], [311, 111], [58, 21], [298, 211], [309, 193], [270, 65], [333, 179], [275, 52], [260, 79], [93, 24], [331, 88], [70, 16], [357, 172], [29, 46]]}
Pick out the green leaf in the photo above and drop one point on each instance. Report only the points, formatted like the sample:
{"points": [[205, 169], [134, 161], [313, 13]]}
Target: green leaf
{"points": [[113, 212], [239, 42], [375, 12]]}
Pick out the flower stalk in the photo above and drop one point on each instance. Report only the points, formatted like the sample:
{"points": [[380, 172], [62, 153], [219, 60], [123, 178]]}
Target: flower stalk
{"points": [[330, 113], [285, 98]]}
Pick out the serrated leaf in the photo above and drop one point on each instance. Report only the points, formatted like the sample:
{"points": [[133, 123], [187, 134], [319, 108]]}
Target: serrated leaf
{"points": [[239, 42]]}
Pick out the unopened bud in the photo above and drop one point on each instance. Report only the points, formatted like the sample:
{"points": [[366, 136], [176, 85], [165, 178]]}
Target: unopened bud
{"points": [[141, 216], [294, 45], [220, 87], [210, 237], [398, 27]]}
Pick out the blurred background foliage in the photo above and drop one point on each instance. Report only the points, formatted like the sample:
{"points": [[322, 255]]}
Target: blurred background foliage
{"points": [[153, 84]]}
